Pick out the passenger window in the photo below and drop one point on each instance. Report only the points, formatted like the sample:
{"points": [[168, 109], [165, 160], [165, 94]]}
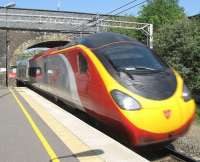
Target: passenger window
{"points": [[83, 65], [45, 67], [34, 71]]}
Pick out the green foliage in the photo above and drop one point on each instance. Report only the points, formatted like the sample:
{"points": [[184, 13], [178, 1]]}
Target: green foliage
{"points": [[160, 12], [198, 112], [129, 32], [179, 45]]}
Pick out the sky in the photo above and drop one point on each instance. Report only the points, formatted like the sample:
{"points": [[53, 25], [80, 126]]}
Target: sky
{"points": [[191, 7]]}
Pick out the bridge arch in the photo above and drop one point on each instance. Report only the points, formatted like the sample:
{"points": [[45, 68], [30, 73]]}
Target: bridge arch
{"points": [[42, 38]]}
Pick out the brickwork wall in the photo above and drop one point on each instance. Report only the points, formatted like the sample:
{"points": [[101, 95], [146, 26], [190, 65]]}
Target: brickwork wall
{"points": [[17, 42], [2, 57]]}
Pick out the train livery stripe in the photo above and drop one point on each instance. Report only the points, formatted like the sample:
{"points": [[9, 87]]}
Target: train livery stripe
{"points": [[36, 130], [71, 82]]}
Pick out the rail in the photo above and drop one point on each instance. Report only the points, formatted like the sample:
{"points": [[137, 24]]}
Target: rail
{"points": [[180, 155]]}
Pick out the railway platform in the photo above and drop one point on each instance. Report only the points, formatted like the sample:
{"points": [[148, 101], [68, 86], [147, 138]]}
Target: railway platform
{"points": [[35, 129]]}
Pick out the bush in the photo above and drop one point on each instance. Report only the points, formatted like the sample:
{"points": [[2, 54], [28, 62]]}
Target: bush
{"points": [[198, 112], [179, 45]]}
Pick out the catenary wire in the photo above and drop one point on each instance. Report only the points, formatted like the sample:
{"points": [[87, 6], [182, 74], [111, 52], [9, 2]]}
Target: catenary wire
{"points": [[127, 4], [83, 28]]}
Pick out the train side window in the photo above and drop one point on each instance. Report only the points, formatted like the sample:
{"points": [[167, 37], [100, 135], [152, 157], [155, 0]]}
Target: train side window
{"points": [[34, 71], [30, 72], [45, 67], [83, 65]]}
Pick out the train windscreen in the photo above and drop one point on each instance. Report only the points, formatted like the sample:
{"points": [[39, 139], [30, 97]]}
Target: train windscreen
{"points": [[132, 57]]}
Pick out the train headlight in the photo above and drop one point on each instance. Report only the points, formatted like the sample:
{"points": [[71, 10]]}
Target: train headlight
{"points": [[186, 93], [124, 101]]}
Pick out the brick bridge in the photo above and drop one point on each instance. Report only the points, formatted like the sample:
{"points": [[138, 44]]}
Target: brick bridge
{"points": [[22, 28]]}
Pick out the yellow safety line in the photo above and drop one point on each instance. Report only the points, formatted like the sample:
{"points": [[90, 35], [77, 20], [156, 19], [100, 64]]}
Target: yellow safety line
{"points": [[37, 131], [64, 134]]}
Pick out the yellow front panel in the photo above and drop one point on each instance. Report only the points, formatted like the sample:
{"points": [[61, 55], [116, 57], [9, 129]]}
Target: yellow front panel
{"points": [[154, 120]]}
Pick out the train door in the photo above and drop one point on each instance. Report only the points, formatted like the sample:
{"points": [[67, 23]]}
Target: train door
{"points": [[51, 73], [45, 85], [59, 72], [83, 79]]}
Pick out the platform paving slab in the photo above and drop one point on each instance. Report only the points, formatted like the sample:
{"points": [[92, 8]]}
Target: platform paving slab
{"points": [[18, 142]]}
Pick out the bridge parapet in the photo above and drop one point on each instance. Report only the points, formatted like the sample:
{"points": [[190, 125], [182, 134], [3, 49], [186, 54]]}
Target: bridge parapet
{"points": [[68, 22], [43, 20]]}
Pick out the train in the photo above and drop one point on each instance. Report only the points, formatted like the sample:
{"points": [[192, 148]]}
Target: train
{"points": [[118, 81]]}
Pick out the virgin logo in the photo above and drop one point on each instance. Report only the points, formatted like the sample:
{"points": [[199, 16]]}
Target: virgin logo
{"points": [[167, 113]]}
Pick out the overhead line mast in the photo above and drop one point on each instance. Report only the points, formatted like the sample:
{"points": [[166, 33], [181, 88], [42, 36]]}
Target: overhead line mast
{"points": [[97, 17], [59, 5], [104, 21]]}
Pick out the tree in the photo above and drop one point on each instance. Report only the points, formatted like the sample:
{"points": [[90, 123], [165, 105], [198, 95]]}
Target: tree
{"points": [[128, 32], [179, 45], [160, 12]]}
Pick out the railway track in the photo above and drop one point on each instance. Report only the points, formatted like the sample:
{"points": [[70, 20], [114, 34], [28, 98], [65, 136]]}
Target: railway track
{"points": [[179, 155]]}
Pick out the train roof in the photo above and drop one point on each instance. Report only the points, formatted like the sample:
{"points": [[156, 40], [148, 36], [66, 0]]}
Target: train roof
{"points": [[43, 53], [22, 62], [104, 38], [92, 41]]}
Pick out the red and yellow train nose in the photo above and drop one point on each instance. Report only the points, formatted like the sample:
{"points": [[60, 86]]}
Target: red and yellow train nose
{"points": [[159, 123], [149, 121]]}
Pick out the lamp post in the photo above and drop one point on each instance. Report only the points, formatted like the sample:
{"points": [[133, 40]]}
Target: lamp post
{"points": [[9, 5], [58, 5]]}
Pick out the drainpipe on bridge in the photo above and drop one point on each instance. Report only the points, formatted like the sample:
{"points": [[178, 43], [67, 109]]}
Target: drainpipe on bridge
{"points": [[9, 5]]}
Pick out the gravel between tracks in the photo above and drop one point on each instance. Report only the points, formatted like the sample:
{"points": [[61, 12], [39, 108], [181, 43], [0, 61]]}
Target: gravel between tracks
{"points": [[190, 142]]}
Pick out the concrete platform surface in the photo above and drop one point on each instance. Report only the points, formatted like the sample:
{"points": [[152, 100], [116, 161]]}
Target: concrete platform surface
{"points": [[25, 137], [85, 142]]}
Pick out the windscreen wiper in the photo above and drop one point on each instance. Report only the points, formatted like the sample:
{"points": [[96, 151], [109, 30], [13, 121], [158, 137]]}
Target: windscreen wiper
{"points": [[126, 72], [138, 68]]}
